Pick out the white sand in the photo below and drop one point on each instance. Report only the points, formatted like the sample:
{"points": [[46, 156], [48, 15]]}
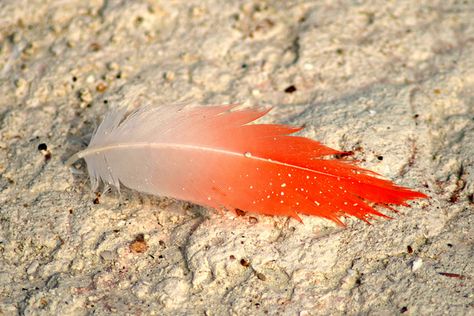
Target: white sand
{"points": [[393, 79]]}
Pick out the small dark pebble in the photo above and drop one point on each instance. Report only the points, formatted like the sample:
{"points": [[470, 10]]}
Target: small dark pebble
{"points": [[409, 249], [290, 89], [140, 237], [245, 262], [261, 276], [95, 47], [139, 20], [404, 309], [42, 147], [239, 212], [380, 158]]}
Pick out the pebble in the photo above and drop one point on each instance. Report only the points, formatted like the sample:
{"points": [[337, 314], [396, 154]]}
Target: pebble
{"points": [[417, 263], [85, 95], [32, 267]]}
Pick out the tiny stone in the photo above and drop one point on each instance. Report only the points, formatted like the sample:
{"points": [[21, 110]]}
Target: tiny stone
{"points": [[107, 255], [33, 267], [90, 79], [290, 89], [20, 83], [101, 87], [113, 66], [416, 264], [261, 276], [169, 76], [16, 38], [85, 95], [139, 245]]}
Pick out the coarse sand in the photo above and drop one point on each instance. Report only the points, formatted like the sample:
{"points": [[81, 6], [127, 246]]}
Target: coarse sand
{"points": [[392, 81]]}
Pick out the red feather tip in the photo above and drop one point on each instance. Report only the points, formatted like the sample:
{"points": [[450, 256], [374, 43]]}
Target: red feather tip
{"points": [[213, 157]]}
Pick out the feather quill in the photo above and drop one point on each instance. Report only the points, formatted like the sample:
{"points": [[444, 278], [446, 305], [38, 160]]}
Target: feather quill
{"points": [[212, 156]]}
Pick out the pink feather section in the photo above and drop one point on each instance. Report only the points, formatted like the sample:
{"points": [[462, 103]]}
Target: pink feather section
{"points": [[213, 157]]}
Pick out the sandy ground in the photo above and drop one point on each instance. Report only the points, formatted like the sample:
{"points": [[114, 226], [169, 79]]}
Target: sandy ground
{"points": [[391, 80]]}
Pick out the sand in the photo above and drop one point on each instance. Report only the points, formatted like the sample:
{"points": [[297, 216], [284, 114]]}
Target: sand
{"points": [[392, 81]]}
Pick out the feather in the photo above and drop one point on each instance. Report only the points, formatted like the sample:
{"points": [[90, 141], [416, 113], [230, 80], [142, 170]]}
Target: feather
{"points": [[212, 156]]}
